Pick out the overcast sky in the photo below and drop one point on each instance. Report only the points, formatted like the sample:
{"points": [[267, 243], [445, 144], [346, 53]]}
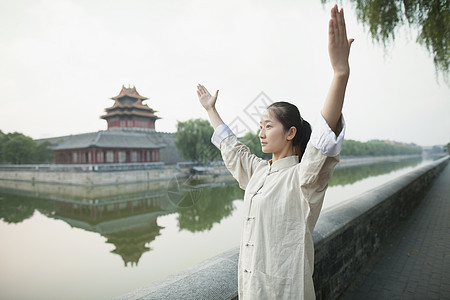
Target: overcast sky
{"points": [[61, 61]]}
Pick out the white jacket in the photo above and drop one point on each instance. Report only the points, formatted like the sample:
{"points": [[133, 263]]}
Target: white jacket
{"points": [[282, 203]]}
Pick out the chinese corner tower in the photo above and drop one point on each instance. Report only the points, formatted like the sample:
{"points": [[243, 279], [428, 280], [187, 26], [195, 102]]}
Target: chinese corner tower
{"points": [[128, 112], [130, 138]]}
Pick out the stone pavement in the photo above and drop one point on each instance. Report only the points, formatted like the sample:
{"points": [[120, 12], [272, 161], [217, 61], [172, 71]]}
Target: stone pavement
{"points": [[414, 262]]}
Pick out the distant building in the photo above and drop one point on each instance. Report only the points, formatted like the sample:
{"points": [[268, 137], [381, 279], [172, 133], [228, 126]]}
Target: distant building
{"points": [[129, 112], [131, 136]]}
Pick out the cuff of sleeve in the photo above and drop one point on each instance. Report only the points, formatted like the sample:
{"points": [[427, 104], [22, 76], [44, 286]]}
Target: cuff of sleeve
{"points": [[222, 131], [324, 139]]}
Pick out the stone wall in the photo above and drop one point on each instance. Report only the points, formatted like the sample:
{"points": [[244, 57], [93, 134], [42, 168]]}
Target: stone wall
{"points": [[346, 237], [95, 175], [88, 178], [110, 174]]}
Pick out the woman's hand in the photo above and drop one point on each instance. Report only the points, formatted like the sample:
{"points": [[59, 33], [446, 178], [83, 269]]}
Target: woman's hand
{"points": [[207, 101], [338, 44], [339, 50]]}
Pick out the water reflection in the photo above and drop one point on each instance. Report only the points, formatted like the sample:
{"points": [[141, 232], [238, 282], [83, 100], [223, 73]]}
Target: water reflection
{"points": [[351, 175], [127, 221], [213, 203], [15, 209], [127, 215], [129, 225]]}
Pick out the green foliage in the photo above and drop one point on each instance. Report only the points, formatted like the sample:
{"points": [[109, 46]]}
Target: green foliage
{"points": [[351, 175], [15, 209], [377, 148], [437, 150], [193, 141], [17, 148], [42, 153], [253, 142], [210, 206], [431, 18]]}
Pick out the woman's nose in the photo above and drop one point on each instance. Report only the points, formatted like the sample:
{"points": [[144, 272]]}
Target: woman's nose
{"points": [[261, 134]]}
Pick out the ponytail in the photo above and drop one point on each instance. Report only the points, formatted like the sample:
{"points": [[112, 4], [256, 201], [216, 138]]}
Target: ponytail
{"points": [[305, 134]]}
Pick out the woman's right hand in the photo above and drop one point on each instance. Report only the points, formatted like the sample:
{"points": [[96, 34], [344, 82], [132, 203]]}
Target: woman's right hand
{"points": [[206, 100]]}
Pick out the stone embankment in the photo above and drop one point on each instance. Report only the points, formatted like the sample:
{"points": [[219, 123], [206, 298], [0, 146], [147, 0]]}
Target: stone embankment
{"points": [[112, 174], [346, 238]]}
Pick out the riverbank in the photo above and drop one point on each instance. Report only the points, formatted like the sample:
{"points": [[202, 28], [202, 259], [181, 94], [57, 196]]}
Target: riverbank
{"points": [[108, 221], [113, 174], [348, 162]]}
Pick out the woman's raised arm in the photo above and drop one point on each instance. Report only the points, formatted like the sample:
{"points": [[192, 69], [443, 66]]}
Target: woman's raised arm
{"points": [[209, 103], [339, 50]]}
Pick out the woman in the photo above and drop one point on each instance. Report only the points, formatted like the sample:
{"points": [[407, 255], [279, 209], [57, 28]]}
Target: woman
{"points": [[283, 196]]}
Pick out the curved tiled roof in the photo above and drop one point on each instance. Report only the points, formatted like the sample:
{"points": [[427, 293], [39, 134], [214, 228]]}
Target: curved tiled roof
{"points": [[112, 139], [130, 92], [129, 109], [130, 114], [137, 104]]}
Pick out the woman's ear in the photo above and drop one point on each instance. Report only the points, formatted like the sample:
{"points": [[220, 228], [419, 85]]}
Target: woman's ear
{"points": [[291, 133]]}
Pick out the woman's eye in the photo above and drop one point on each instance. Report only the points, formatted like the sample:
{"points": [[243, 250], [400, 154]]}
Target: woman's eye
{"points": [[268, 126]]}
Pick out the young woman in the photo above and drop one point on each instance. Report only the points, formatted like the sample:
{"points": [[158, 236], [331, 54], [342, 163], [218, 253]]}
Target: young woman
{"points": [[284, 196]]}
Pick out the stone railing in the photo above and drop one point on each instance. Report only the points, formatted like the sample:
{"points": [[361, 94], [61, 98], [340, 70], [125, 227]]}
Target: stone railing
{"points": [[346, 237]]}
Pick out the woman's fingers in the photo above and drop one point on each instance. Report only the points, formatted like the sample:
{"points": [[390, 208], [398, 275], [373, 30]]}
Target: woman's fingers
{"points": [[332, 27], [204, 90], [338, 43], [337, 29], [338, 26], [341, 25], [344, 28], [201, 89]]}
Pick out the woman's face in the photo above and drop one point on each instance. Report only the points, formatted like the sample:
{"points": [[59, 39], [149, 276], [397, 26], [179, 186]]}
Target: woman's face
{"points": [[272, 135]]}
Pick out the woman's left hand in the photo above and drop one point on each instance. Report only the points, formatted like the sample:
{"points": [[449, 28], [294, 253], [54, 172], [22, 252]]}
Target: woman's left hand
{"points": [[338, 44], [205, 98]]}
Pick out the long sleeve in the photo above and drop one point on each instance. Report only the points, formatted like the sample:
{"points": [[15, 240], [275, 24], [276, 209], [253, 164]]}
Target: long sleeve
{"points": [[318, 163], [236, 156], [323, 148], [324, 139]]}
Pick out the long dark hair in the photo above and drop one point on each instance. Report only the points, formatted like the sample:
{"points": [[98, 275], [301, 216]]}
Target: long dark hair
{"points": [[289, 115]]}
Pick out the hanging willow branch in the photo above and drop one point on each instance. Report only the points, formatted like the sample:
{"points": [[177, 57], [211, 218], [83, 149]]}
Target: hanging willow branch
{"points": [[430, 17]]}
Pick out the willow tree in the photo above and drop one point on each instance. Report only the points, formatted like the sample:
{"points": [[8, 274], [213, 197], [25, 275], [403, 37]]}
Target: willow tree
{"points": [[193, 141], [430, 17]]}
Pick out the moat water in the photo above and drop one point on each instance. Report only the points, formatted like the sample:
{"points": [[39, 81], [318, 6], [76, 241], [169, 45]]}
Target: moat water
{"points": [[57, 245]]}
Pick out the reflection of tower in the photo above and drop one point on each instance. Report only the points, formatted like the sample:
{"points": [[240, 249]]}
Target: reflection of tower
{"points": [[127, 221], [130, 244]]}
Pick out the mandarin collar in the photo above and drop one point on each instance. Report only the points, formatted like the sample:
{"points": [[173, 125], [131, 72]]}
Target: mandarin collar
{"points": [[285, 162]]}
